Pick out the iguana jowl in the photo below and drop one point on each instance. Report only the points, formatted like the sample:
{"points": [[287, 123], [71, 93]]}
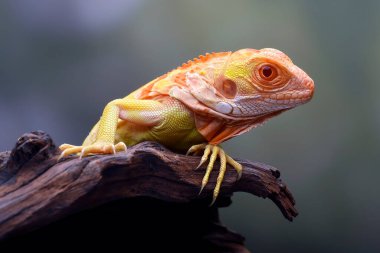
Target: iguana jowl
{"points": [[201, 104]]}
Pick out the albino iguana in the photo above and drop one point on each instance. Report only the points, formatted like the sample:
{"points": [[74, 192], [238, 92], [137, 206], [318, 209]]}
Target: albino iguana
{"points": [[201, 104]]}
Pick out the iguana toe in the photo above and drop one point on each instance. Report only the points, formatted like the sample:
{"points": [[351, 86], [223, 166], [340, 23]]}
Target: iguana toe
{"points": [[95, 148], [211, 152]]}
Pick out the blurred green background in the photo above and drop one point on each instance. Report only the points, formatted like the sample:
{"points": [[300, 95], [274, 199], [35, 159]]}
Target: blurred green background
{"points": [[62, 61]]}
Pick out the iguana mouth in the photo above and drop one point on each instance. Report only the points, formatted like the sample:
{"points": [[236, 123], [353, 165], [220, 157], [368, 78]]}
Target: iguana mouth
{"points": [[289, 97]]}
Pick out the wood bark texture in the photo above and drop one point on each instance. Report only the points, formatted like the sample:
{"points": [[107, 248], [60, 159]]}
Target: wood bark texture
{"points": [[37, 190]]}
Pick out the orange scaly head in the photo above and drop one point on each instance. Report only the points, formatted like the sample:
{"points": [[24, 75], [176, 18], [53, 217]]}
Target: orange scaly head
{"points": [[252, 83], [266, 81]]}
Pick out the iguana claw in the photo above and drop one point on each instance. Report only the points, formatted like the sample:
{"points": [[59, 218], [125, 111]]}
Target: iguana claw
{"points": [[215, 151], [95, 148]]}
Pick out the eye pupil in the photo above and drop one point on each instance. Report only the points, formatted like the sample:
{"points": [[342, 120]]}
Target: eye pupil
{"points": [[267, 71]]}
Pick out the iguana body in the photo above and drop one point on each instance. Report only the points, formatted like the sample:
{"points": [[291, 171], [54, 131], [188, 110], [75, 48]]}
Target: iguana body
{"points": [[201, 104]]}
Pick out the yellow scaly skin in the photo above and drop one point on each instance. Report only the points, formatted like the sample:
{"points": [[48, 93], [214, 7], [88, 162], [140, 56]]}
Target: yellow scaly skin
{"points": [[201, 104]]}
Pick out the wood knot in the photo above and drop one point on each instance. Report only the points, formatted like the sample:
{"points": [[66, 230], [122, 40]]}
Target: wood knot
{"points": [[36, 145]]}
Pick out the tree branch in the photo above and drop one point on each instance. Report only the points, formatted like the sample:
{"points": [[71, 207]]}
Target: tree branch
{"points": [[36, 189]]}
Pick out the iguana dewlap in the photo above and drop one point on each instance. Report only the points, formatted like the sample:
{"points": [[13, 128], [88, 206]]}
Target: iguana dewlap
{"points": [[202, 103]]}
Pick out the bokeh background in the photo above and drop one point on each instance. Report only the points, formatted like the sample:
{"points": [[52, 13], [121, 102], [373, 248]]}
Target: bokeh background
{"points": [[62, 61]]}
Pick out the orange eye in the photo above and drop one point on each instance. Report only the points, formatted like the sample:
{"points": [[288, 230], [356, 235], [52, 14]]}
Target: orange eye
{"points": [[268, 72]]}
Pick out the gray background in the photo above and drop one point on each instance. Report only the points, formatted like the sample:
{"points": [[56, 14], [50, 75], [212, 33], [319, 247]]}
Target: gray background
{"points": [[62, 61]]}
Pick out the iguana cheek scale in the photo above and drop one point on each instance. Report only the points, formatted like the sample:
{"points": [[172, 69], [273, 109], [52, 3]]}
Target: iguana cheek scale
{"points": [[201, 104]]}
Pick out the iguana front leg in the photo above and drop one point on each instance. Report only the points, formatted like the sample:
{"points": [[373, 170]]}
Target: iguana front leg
{"points": [[141, 112], [225, 159]]}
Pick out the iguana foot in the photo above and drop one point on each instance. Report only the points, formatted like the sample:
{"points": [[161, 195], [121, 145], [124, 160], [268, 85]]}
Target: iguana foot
{"points": [[215, 151], [95, 148]]}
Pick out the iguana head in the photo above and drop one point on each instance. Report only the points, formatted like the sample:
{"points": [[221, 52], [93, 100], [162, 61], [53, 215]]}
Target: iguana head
{"points": [[248, 83], [259, 82]]}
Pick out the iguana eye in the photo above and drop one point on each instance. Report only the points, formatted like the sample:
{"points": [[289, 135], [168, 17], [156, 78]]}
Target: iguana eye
{"points": [[268, 72], [269, 76]]}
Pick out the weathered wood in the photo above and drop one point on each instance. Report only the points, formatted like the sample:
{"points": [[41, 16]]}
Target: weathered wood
{"points": [[36, 189]]}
